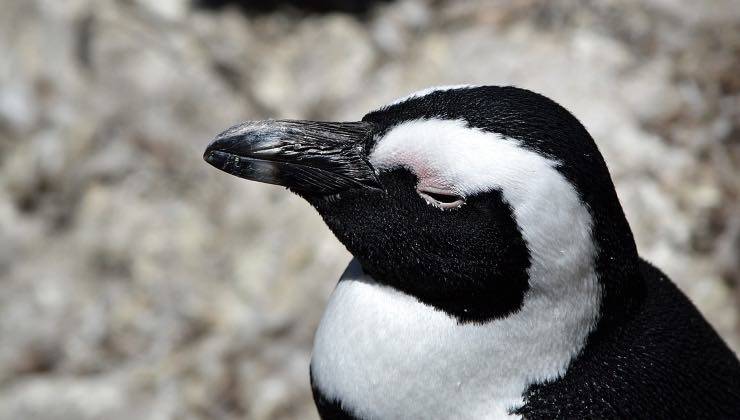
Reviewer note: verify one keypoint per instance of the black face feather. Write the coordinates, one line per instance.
(470, 262)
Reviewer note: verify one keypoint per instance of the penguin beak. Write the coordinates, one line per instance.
(305, 156)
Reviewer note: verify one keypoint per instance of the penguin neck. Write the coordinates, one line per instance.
(380, 352)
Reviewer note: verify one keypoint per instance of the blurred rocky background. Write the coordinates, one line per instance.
(138, 282)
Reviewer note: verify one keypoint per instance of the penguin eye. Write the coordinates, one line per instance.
(441, 198)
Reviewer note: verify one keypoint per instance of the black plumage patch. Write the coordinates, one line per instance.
(470, 262)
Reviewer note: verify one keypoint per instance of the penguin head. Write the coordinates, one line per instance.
(463, 197)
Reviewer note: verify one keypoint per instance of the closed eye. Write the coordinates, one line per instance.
(441, 198)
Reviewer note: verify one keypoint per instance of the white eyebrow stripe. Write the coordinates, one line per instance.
(469, 159)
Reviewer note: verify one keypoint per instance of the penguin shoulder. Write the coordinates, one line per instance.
(663, 359)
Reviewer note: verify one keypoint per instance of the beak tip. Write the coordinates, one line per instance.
(212, 156)
(208, 153)
(220, 143)
(208, 156)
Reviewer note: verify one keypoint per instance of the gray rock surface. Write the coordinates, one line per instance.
(137, 282)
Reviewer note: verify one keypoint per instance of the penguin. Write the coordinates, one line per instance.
(494, 274)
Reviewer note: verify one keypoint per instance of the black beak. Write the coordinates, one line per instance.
(305, 156)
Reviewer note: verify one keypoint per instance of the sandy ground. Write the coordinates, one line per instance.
(137, 282)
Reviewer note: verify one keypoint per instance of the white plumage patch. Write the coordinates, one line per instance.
(385, 355)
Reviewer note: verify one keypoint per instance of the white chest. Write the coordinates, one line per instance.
(385, 355)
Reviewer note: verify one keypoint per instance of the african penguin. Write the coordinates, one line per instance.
(494, 272)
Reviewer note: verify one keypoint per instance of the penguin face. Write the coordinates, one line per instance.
(454, 196)
(436, 229)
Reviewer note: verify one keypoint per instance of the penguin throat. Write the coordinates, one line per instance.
(382, 353)
(477, 305)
